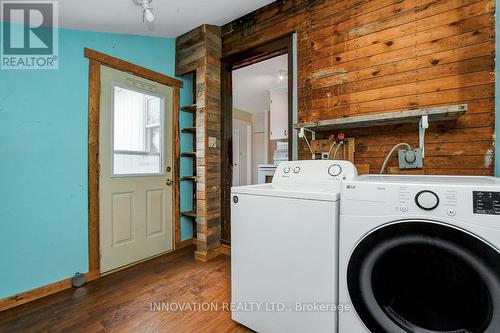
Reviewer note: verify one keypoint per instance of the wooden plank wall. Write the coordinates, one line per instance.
(372, 56)
(200, 50)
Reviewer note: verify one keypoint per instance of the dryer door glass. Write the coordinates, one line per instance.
(422, 276)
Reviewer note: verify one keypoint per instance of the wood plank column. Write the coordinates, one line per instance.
(200, 51)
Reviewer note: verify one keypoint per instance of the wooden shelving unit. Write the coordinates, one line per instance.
(191, 154)
(389, 118)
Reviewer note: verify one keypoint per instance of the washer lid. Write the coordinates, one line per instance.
(304, 192)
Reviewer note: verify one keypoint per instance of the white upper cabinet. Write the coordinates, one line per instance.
(279, 113)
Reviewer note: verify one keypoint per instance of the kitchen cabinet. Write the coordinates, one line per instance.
(278, 114)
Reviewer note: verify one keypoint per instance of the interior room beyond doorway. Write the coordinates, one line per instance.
(260, 120)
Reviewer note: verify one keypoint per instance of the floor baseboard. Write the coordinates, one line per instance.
(34, 294)
(202, 256)
(221, 250)
(225, 250)
(185, 243)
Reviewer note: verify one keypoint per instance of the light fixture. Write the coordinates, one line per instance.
(282, 75)
(147, 10)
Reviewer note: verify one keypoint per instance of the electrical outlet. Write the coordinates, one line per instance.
(411, 158)
(324, 155)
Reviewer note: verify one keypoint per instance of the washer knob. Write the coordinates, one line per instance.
(334, 170)
(427, 200)
(296, 169)
(286, 170)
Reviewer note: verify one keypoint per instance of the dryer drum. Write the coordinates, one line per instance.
(425, 277)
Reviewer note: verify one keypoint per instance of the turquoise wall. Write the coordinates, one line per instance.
(43, 163)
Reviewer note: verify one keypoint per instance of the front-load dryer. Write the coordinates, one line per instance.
(284, 248)
(420, 254)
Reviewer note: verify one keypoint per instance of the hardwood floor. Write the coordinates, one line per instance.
(123, 301)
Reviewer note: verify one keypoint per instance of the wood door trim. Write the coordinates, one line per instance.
(93, 164)
(176, 147)
(128, 67)
(96, 60)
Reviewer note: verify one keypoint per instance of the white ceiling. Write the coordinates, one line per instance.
(251, 84)
(172, 17)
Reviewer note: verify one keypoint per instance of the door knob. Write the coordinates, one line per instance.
(168, 182)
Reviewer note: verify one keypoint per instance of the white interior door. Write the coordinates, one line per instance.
(236, 157)
(135, 156)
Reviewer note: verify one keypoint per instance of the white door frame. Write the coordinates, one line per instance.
(249, 154)
(236, 157)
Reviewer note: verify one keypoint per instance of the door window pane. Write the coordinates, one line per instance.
(137, 133)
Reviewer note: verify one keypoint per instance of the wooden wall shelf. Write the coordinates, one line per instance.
(191, 130)
(191, 214)
(451, 112)
(189, 108)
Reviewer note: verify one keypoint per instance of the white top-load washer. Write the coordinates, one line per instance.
(420, 254)
(284, 248)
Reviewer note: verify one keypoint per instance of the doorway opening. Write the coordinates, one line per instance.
(257, 117)
(260, 120)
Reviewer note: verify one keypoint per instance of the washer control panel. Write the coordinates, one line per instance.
(427, 200)
(486, 202)
(314, 172)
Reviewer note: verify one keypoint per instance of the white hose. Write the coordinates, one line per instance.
(331, 147)
(390, 154)
(337, 149)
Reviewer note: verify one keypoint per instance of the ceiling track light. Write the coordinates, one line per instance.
(147, 10)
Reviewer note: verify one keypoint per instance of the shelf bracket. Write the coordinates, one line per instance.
(422, 126)
(303, 130)
(302, 134)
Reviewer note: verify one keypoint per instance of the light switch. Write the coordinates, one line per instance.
(212, 142)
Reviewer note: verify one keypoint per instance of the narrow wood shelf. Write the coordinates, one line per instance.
(189, 108)
(189, 178)
(451, 112)
(188, 154)
(190, 213)
(191, 130)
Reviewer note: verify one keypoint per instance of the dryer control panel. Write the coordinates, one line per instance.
(314, 172)
(486, 202)
(473, 200)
